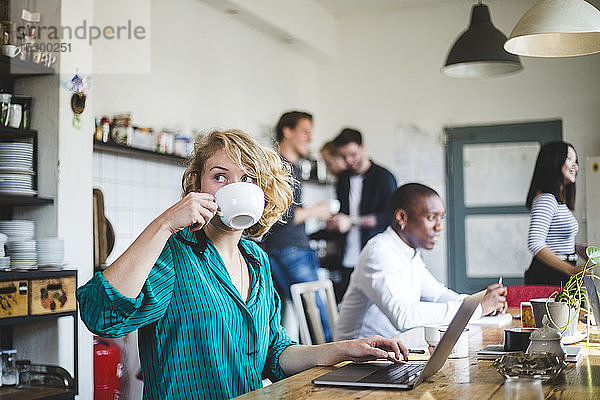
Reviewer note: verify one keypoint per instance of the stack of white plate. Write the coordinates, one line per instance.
(16, 156)
(16, 168)
(23, 254)
(17, 229)
(4, 261)
(50, 252)
(16, 182)
(3, 240)
(20, 246)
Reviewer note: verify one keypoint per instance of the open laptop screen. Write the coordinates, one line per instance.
(592, 295)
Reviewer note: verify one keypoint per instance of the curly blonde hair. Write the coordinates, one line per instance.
(262, 164)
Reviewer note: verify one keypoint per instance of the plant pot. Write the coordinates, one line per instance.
(561, 317)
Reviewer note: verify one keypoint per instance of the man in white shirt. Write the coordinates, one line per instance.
(390, 289)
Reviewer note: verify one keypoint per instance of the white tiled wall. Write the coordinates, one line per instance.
(135, 192)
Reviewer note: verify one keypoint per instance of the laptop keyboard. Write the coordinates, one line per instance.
(394, 374)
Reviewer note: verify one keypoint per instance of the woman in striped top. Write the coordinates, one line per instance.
(552, 225)
(202, 296)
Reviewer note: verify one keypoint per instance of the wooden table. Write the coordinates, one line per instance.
(465, 378)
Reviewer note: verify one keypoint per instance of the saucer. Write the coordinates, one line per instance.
(577, 337)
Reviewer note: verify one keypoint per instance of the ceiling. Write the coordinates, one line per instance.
(344, 8)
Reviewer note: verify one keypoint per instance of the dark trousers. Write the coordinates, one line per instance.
(293, 265)
(542, 274)
(340, 284)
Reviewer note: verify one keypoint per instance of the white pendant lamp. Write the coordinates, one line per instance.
(478, 52)
(557, 28)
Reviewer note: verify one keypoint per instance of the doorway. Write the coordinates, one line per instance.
(488, 171)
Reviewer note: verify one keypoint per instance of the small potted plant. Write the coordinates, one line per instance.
(563, 308)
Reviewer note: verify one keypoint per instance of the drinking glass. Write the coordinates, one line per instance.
(10, 374)
(523, 389)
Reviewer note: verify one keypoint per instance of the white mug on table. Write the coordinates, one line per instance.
(431, 334)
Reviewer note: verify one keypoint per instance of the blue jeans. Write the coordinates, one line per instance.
(294, 265)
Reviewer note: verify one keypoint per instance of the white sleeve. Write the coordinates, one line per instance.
(385, 283)
(433, 290)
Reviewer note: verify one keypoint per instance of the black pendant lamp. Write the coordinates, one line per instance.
(479, 51)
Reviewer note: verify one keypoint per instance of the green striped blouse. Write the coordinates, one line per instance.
(197, 337)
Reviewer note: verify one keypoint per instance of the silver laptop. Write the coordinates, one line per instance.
(407, 375)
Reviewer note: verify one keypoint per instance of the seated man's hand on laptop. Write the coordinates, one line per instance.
(372, 348)
(494, 300)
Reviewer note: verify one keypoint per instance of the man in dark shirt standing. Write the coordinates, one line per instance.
(292, 260)
(364, 190)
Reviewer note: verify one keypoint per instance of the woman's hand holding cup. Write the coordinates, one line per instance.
(194, 209)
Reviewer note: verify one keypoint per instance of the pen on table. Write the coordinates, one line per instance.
(500, 282)
(416, 351)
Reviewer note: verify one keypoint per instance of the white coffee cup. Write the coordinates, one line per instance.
(334, 206)
(432, 334)
(14, 119)
(241, 204)
(461, 348)
(11, 50)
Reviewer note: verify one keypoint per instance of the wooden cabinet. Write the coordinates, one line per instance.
(33, 279)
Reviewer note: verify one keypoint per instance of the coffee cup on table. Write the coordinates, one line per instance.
(431, 334)
(11, 50)
(461, 347)
(517, 339)
(240, 204)
(527, 318)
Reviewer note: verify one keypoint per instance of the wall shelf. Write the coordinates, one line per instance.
(35, 392)
(34, 318)
(138, 153)
(6, 132)
(16, 68)
(15, 275)
(24, 201)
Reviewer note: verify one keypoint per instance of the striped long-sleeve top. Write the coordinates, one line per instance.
(551, 225)
(197, 338)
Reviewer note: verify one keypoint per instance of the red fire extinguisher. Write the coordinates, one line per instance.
(108, 369)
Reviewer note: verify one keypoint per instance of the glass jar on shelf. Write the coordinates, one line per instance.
(24, 371)
(5, 99)
(9, 367)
